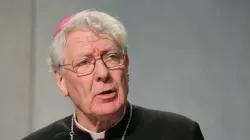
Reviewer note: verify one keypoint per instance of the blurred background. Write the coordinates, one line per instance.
(187, 56)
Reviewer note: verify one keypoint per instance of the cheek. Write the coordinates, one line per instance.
(79, 89)
(120, 78)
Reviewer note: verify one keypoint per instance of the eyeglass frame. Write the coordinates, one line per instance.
(123, 54)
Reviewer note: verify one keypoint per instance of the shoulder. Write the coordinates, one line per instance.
(167, 123)
(49, 132)
(150, 115)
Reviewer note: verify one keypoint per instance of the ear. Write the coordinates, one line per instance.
(126, 62)
(126, 66)
(61, 83)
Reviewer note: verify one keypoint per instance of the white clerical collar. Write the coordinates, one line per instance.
(95, 135)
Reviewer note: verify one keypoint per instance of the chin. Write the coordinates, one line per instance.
(108, 108)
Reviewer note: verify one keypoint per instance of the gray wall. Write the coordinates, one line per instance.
(187, 56)
(16, 69)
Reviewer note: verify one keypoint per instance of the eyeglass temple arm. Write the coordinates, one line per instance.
(64, 65)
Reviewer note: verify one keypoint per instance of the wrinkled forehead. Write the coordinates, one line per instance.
(81, 42)
(85, 37)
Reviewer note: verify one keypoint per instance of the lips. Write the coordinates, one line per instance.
(107, 94)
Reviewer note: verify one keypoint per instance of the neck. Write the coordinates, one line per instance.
(97, 123)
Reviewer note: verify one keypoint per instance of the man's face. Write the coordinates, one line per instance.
(102, 92)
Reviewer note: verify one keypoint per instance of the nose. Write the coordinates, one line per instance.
(101, 71)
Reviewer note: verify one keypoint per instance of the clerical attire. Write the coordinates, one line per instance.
(138, 123)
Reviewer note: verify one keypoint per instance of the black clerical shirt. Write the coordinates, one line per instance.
(145, 124)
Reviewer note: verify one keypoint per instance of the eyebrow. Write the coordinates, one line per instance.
(111, 48)
(90, 54)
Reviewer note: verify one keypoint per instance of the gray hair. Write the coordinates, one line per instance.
(98, 22)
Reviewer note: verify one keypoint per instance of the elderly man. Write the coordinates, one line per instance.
(90, 63)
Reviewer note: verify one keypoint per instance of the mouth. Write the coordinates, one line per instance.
(107, 94)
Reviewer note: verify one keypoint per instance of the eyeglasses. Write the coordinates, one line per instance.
(85, 65)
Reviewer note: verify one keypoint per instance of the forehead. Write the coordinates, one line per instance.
(86, 41)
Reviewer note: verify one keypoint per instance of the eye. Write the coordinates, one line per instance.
(113, 57)
(82, 63)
